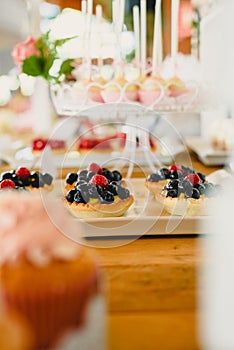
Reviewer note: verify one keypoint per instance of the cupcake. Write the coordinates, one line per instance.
(188, 196)
(151, 89)
(119, 89)
(97, 193)
(44, 276)
(95, 88)
(176, 87)
(23, 178)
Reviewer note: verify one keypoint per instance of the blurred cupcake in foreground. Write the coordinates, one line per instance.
(44, 276)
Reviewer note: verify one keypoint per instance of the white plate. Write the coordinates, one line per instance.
(145, 217)
(206, 153)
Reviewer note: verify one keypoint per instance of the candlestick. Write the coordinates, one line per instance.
(143, 36)
(136, 24)
(156, 38)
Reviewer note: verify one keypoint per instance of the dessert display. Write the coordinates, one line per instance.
(97, 192)
(53, 280)
(156, 181)
(151, 89)
(56, 146)
(176, 87)
(24, 179)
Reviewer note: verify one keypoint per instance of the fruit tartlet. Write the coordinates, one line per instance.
(56, 146)
(157, 180)
(188, 196)
(22, 178)
(97, 192)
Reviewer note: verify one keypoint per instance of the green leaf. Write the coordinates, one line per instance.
(33, 65)
(48, 62)
(60, 42)
(66, 67)
(130, 56)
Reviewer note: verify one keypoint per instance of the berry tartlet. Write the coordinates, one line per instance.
(188, 196)
(156, 181)
(24, 179)
(97, 192)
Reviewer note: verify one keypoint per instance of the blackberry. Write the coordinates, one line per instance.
(154, 178)
(100, 190)
(93, 192)
(111, 188)
(70, 196)
(78, 198)
(71, 178)
(175, 174)
(107, 197)
(201, 188)
(202, 177)
(47, 178)
(90, 175)
(172, 185)
(81, 186)
(7, 175)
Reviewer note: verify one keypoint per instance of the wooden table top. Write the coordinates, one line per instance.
(152, 288)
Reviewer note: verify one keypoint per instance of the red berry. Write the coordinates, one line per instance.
(99, 180)
(175, 167)
(39, 144)
(23, 172)
(94, 167)
(193, 178)
(7, 184)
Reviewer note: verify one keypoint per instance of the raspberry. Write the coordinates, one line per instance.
(175, 167)
(93, 167)
(39, 144)
(193, 178)
(7, 184)
(23, 172)
(99, 180)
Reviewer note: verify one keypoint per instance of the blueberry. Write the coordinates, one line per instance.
(90, 174)
(109, 175)
(47, 178)
(187, 186)
(7, 175)
(71, 178)
(164, 173)
(154, 178)
(174, 174)
(195, 193)
(172, 185)
(116, 175)
(201, 188)
(202, 177)
(100, 190)
(172, 193)
(80, 182)
(107, 197)
(70, 196)
(122, 192)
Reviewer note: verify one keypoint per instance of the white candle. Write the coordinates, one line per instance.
(156, 38)
(121, 15)
(99, 20)
(84, 6)
(115, 10)
(99, 13)
(143, 35)
(174, 28)
(90, 7)
(136, 24)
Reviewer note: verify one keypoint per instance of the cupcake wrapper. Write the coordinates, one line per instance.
(51, 312)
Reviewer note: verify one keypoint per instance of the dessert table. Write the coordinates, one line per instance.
(151, 286)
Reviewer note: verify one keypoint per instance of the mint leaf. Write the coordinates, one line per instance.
(33, 65)
(48, 62)
(66, 67)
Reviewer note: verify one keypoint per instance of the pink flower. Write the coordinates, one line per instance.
(24, 50)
